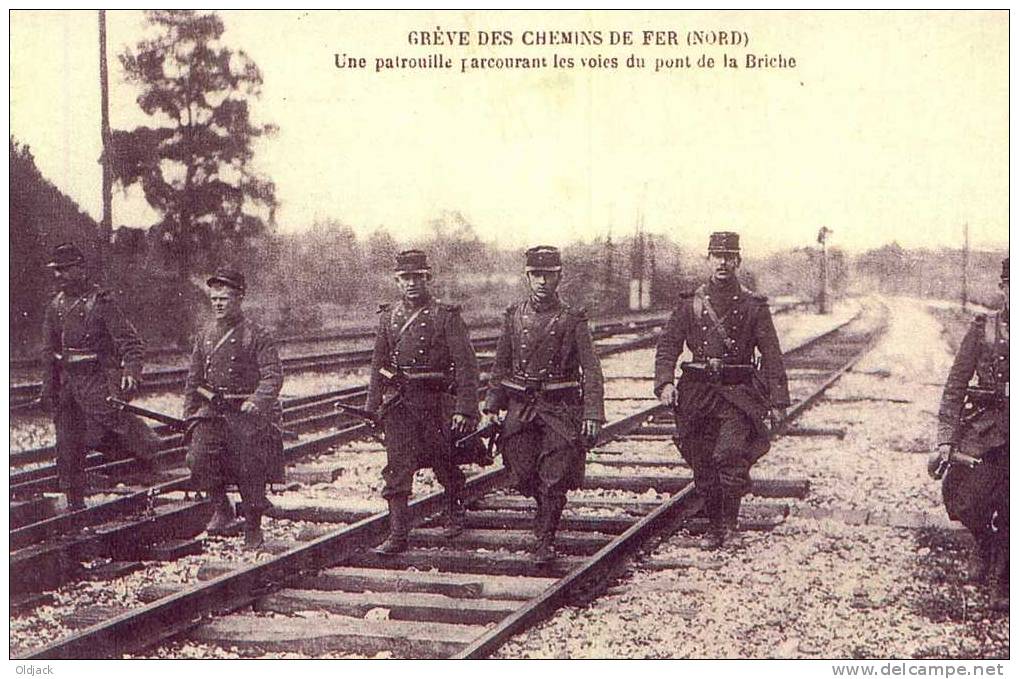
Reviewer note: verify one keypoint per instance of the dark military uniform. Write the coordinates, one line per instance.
(88, 342)
(548, 378)
(423, 373)
(975, 422)
(434, 374)
(238, 361)
(723, 399)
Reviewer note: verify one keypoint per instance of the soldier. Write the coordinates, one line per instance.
(424, 390)
(973, 422)
(549, 380)
(232, 407)
(722, 398)
(90, 353)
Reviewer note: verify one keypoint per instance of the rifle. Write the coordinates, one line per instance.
(371, 419)
(490, 431)
(27, 405)
(941, 461)
(170, 421)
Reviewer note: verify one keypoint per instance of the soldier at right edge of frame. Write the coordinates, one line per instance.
(972, 445)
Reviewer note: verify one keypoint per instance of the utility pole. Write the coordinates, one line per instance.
(106, 230)
(822, 298)
(609, 274)
(965, 264)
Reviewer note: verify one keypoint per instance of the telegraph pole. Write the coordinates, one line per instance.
(822, 298)
(106, 230)
(965, 264)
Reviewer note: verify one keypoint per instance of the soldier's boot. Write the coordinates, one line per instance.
(538, 513)
(222, 513)
(552, 509)
(398, 528)
(978, 565)
(715, 536)
(456, 515)
(253, 536)
(998, 579)
(75, 500)
(730, 504)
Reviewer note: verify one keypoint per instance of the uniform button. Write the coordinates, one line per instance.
(704, 327)
(735, 296)
(233, 358)
(421, 351)
(422, 337)
(525, 331)
(552, 333)
(232, 340)
(425, 312)
(422, 323)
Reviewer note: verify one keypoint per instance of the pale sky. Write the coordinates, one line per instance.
(893, 126)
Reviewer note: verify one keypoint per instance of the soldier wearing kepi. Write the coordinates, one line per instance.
(231, 402)
(973, 445)
(722, 399)
(549, 380)
(90, 353)
(424, 390)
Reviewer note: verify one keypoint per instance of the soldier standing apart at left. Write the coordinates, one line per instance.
(91, 352)
(424, 390)
(722, 399)
(231, 403)
(549, 380)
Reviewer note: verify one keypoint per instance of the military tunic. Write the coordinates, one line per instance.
(430, 338)
(720, 428)
(238, 359)
(90, 323)
(542, 346)
(978, 497)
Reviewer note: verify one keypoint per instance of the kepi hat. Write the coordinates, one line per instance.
(412, 261)
(543, 258)
(723, 242)
(228, 277)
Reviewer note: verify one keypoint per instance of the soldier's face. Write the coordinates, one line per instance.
(543, 284)
(723, 265)
(69, 277)
(226, 302)
(413, 286)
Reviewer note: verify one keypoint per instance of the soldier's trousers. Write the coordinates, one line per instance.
(216, 457)
(716, 447)
(83, 420)
(418, 439)
(544, 466)
(978, 498)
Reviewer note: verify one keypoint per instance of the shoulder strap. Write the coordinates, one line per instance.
(545, 338)
(717, 323)
(410, 321)
(698, 302)
(222, 340)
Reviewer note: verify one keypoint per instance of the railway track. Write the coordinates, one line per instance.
(44, 555)
(22, 396)
(301, 415)
(463, 598)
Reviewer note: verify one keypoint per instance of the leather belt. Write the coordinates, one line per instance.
(714, 371)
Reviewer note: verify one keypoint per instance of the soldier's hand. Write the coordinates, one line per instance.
(459, 424)
(936, 461)
(128, 385)
(668, 395)
(248, 407)
(777, 416)
(590, 429)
